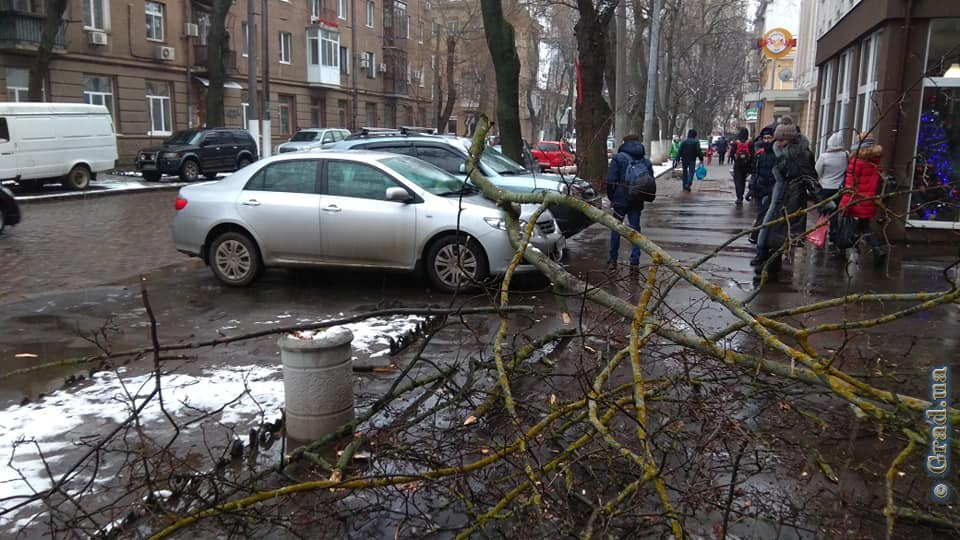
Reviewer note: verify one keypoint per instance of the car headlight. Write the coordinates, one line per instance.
(169, 155)
(500, 223)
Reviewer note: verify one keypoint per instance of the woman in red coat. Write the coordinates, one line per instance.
(861, 187)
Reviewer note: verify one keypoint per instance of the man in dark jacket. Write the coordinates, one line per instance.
(721, 146)
(630, 151)
(761, 186)
(689, 153)
(742, 161)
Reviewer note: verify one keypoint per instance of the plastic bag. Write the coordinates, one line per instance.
(701, 172)
(818, 236)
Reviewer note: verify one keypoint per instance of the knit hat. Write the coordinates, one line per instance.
(786, 132)
(835, 142)
(766, 131)
(786, 120)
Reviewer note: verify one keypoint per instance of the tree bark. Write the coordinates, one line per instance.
(593, 111)
(218, 47)
(40, 71)
(444, 118)
(506, 64)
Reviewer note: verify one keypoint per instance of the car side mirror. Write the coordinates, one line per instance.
(463, 168)
(398, 194)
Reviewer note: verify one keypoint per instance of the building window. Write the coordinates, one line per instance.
(826, 105)
(315, 117)
(203, 27)
(453, 26)
(420, 26)
(342, 9)
(935, 197)
(329, 48)
(370, 10)
(154, 21)
(98, 91)
(867, 85)
(244, 115)
(842, 96)
(315, 8)
(345, 60)
(245, 43)
(403, 22)
(342, 113)
(371, 61)
(18, 84)
(94, 14)
(158, 108)
(29, 6)
(370, 115)
(285, 113)
(285, 41)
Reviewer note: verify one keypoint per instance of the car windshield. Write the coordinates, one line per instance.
(189, 136)
(497, 162)
(425, 175)
(304, 136)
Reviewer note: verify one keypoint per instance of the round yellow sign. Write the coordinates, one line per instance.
(777, 43)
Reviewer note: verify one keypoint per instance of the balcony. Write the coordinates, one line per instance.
(200, 59)
(22, 31)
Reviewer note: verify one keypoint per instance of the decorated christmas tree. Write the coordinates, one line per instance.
(935, 195)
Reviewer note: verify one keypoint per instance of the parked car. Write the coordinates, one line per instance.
(67, 143)
(450, 154)
(551, 155)
(192, 152)
(349, 209)
(313, 138)
(9, 210)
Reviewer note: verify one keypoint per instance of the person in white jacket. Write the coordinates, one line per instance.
(832, 168)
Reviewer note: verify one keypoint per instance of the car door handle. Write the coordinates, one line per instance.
(251, 202)
(332, 208)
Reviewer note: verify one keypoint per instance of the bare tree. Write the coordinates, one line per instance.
(40, 71)
(506, 63)
(218, 43)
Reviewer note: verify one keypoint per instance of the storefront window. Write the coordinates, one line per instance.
(943, 49)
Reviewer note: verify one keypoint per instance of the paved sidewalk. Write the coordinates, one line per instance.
(105, 184)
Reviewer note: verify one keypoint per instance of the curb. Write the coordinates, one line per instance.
(124, 188)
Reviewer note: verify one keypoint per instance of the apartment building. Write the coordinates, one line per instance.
(332, 63)
(891, 68)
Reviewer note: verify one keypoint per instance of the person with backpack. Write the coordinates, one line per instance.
(689, 153)
(795, 177)
(742, 161)
(630, 182)
(862, 183)
(721, 146)
(675, 151)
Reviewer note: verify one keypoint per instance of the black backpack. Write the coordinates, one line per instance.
(640, 183)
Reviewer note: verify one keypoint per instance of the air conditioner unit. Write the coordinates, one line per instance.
(97, 38)
(191, 29)
(364, 63)
(314, 19)
(383, 68)
(166, 53)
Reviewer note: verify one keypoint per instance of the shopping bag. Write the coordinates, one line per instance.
(818, 236)
(846, 234)
(701, 172)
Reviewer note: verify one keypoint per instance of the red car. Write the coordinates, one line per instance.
(553, 154)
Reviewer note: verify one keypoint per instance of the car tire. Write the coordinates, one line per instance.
(210, 176)
(190, 170)
(152, 176)
(243, 162)
(3, 220)
(77, 178)
(235, 259)
(449, 274)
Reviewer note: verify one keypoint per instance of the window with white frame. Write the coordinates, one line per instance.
(371, 8)
(867, 84)
(158, 108)
(935, 197)
(371, 61)
(329, 48)
(18, 84)
(244, 115)
(245, 39)
(154, 20)
(420, 32)
(826, 104)
(403, 22)
(203, 26)
(342, 9)
(286, 38)
(95, 14)
(842, 95)
(315, 8)
(98, 91)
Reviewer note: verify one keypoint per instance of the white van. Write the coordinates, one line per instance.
(56, 142)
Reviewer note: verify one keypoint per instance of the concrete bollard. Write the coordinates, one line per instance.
(317, 382)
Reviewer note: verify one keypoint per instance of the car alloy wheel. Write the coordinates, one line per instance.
(235, 259)
(189, 171)
(456, 263)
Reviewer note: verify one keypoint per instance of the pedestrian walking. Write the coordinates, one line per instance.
(689, 153)
(675, 151)
(721, 145)
(742, 161)
(629, 163)
(832, 169)
(861, 186)
(762, 182)
(795, 176)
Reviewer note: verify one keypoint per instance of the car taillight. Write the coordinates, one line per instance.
(180, 204)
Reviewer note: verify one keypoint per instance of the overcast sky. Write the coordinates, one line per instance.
(784, 14)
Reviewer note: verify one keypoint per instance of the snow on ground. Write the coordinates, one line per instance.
(54, 425)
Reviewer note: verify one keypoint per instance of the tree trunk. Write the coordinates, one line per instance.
(451, 85)
(593, 111)
(506, 65)
(218, 47)
(40, 71)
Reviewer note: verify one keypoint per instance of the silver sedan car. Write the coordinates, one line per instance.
(349, 209)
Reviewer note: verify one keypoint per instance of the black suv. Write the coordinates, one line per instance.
(192, 152)
(450, 154)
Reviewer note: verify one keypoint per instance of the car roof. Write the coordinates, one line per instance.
(351, 155)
